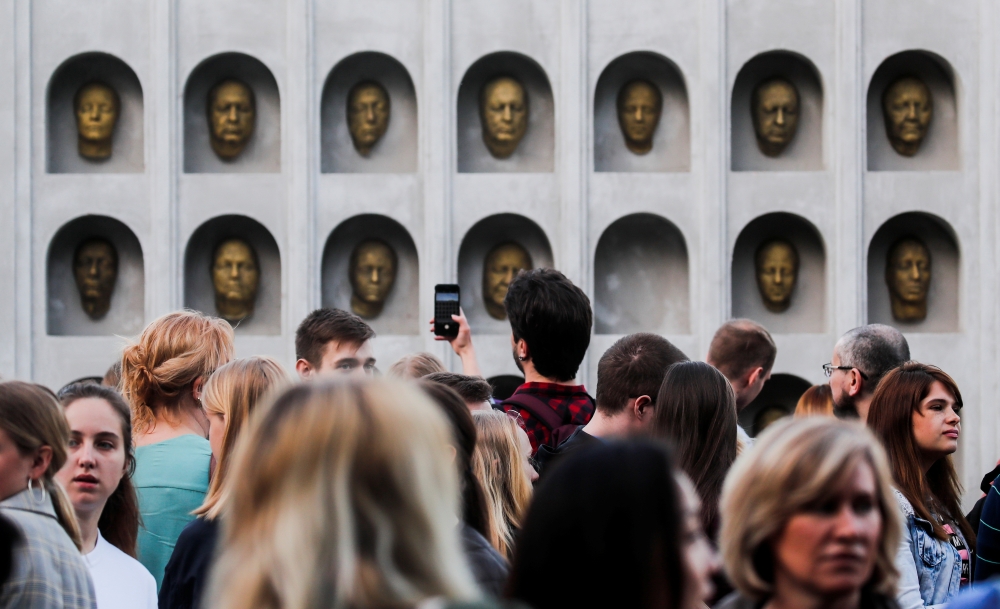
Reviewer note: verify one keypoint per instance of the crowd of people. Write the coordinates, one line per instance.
(189, 478)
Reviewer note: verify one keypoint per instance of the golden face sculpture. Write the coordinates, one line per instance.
(908, 275)
(639, 106)
(503, 112)
(95, 269)
(777, 265)
(97, 107)
(367, 115)
(908, 110)
(235, 277)
(232, 114)
(774, 107)
(501, 266)
(373, 273)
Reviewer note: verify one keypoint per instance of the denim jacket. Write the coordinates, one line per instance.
(930, 569)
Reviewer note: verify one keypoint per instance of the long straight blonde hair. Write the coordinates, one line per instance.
(343, 495)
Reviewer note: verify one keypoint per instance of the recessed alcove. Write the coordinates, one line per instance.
(262, 152)
(65, 312)
(400, 312)
(778, 398)
(939, 148)
(396, 150)
(806, 312)
(61, 134)
(805, 151)
(942, 294)
(641, 278)
(536, 152)
(504, 385)
(477, 243)
(671, 149)
(199, 290)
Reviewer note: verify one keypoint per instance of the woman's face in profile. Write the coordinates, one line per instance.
(702, 559)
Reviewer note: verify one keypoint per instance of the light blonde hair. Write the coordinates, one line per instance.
(234, 391)
(794, 464)
(171, 353)
(497, 463)
(415, 366)
(343, 494)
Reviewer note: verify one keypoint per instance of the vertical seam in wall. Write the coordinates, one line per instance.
(23, 189)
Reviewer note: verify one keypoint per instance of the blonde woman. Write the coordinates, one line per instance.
(231, 395)
(809, 520)
(163, 374)
(501, 462)
(347, 497)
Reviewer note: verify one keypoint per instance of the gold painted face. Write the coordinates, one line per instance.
(373, 273)
(95, 268)
(775, 112)
(232, 114)
(777, 270)
(501, 266)
(367, 115)
(97, 108)
(639, 106)
(503, 112)
(908, 275)
(235, 276)
(908, 110)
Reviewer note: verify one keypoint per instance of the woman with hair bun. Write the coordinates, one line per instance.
(163, 374)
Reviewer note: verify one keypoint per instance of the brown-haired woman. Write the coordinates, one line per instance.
(817, 400)
(915, 413)
(162, 378)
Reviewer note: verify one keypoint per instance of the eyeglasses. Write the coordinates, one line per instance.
(829, 368)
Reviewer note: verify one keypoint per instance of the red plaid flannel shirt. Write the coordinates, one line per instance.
(572, 403)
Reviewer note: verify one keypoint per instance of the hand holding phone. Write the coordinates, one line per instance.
(446, 304)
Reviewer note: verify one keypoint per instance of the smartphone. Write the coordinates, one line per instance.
(446, 301)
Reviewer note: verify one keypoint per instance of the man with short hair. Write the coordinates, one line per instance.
(334, 341)
(475, 390)
(550, 322)
(861, 358)
(744, 352)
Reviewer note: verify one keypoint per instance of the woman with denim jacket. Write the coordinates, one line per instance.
(915, 413)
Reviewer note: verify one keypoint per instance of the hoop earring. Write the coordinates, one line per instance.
(31, 492)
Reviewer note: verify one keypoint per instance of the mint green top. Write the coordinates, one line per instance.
(171, 479)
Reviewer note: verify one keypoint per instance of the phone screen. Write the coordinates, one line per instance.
(446, 296)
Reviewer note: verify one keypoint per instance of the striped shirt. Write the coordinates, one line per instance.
(988, 539)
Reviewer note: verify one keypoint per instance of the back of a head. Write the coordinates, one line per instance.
(323, 326)
(614, 508)
(415, 366)
(874, 349)
(472, 389)
(170, 354)
(741, 345)
(554, 317)
(632, 367)
(349, 485)
(817, 400)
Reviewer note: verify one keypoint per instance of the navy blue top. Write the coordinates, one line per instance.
(186, 575)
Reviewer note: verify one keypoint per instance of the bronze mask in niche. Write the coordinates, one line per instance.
(503, 112)
(97, 107)
(501, 266)
(908, 275)
(777, 267)
(235, 277)
(908, 109)
(774, 108)
(368, 111)
(373, 273)
(95, 269)
(639, 104)
(232, 115)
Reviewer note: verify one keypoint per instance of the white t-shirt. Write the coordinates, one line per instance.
(120, 581)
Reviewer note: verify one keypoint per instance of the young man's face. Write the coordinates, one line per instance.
(342, 358)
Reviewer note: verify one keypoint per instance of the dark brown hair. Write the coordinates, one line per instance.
(323, 326)
(890, 417)
(741, 345)
(472, 389)
(632, 367)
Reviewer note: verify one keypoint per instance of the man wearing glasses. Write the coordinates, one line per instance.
(860, 359)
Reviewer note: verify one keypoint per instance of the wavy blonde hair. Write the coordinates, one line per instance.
(343, 494)
(497, 463)
(234, 391)
(171, 353)
(795, 464)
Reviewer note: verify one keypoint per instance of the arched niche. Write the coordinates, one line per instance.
(65, 315)
(396, 151)
(943, 292)
(504, 385)
(641, 278)
(806, 312)
(805, 151)
(199, 291)
(672, 139)
(62, 153)
(939, 148)
(262, 153)
(400, 313)
(477, 243)
(778, 398)
(536, 152)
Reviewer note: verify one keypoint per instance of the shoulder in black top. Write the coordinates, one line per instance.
(186, 575)
(488, 567)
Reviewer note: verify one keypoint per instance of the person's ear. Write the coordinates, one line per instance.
(304, 369)
(40, 462)
(641, 408)
(755, 375)
(196, 388)
(521, 349)
(856, 384)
